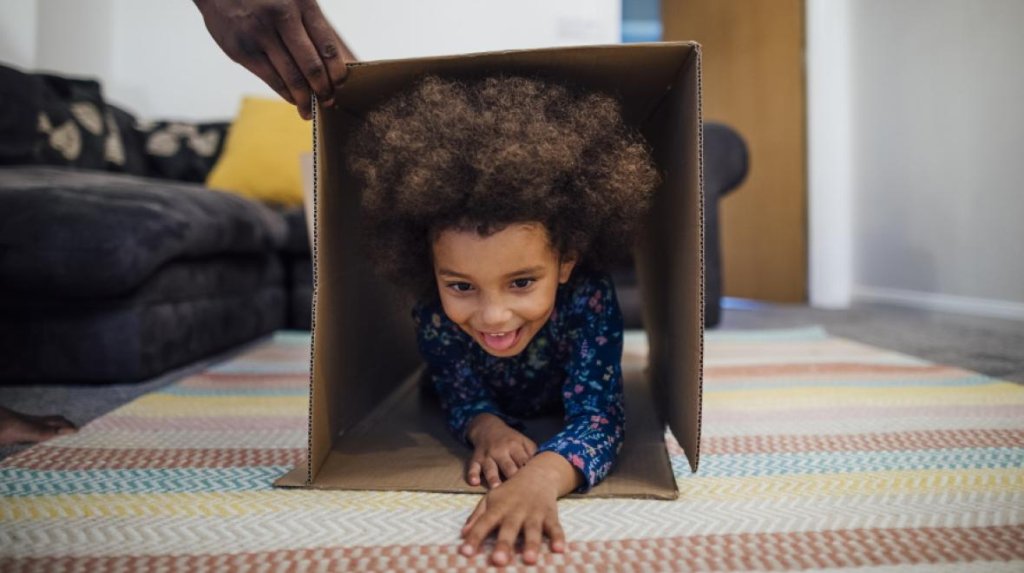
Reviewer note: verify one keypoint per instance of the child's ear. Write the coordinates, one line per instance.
(565, 267)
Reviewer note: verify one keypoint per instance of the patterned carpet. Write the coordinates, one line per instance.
(818, 453)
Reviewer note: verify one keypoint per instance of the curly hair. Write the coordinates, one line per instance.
(481, 154)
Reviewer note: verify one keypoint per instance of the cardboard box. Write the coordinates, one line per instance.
(370, 426)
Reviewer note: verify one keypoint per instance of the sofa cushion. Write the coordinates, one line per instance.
(77, 234)
(52, 120)
(299, 283)
(186, 311)
(298, 235)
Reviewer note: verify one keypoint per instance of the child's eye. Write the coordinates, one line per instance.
(523, 283)
(460, 287)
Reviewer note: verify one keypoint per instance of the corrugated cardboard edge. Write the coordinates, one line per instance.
(698, 51)
(303, 476)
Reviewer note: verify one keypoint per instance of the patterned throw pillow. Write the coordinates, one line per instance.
(180, 150)
(125, 146)
(52, 120)
(55, 120)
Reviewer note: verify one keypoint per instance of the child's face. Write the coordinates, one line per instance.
(499, 289)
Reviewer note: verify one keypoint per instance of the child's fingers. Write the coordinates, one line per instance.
(477, 512)
(491, 473)
(531, 540)
(503, 549)
(473, 472)
(531, 447)
(477, 532)
(556, 537)
(509, 467)
(520, 456)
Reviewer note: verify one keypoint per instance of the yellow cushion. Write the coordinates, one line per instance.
(260, 159)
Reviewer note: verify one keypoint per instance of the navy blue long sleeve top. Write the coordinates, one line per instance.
(573, 364)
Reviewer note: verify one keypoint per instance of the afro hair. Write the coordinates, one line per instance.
(481, 154)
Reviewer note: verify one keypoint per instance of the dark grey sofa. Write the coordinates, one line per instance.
(116, 264)
(113, 277)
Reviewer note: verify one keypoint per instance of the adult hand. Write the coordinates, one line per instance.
(526, 504)
(497, 450)
(289, 44)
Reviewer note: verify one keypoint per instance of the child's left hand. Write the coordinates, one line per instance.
(527, 503)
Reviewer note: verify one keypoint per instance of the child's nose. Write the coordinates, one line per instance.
(495, 314)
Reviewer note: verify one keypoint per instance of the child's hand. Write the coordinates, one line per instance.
(527, 504)
(496, 448)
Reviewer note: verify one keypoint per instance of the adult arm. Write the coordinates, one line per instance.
(288, 44)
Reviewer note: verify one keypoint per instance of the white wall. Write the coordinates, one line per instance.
(18, 32)
(156, 58)
(935, 134)
(407, 28)
(829, 143)
(76, 37)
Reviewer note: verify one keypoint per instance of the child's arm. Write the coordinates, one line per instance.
(577, 457)
(526, 503)
(592, 394)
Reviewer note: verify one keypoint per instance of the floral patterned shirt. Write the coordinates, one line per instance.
(572, 365)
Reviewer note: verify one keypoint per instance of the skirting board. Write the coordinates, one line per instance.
(941, 302)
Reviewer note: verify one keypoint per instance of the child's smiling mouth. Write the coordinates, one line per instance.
(501, 341)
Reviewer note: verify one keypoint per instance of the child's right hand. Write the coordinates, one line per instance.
(497, 450)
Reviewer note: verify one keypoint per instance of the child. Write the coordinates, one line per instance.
(497, 201)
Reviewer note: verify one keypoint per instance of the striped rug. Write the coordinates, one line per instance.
(818, 453)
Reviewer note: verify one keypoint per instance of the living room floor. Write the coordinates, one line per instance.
(991, 346)
(994, 347)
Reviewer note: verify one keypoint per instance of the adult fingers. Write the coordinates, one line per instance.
(260, 65)
(532, 529)
(503, 549)
(294, 81)
(473, 472)
(508, 467)
(491, 473)
(556, 536)
(304, 54)
(332, 50)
